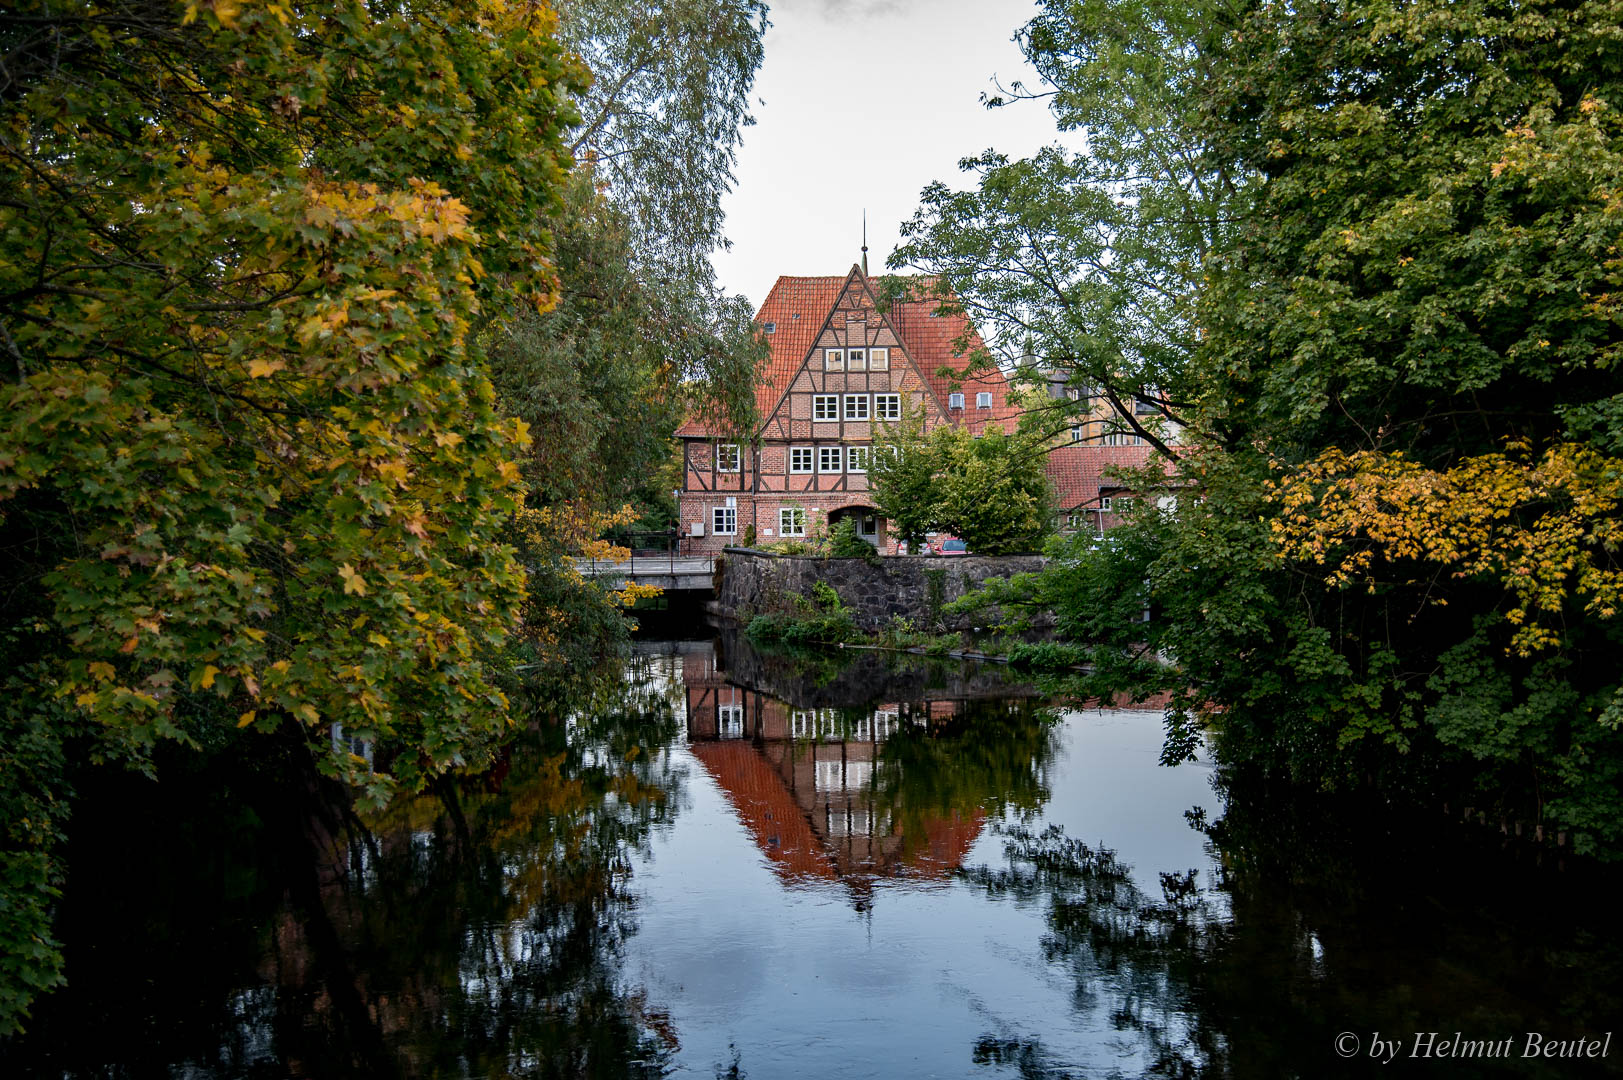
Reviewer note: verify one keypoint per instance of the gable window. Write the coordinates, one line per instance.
(856, 459)
(727, 457)
(828, 458)
(1076, 432)
(856, 406)
(955, 401)
(724, 520)
(800, 459)
(833, 359)
(983, 400)
(878, 359)
(825, 406)
(856, 359)
(792, 521)
(887, 406)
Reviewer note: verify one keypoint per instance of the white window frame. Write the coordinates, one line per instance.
(955, 401)
(887, 406)
(827, 453)
(791, 521)
(727, 514)
(856, 359)
(810, 453)
(878, 359)
(833, 359)
(721, 457)
(1076, 433)
(983, 400)
(852, 454)
(830, 402)
(730, 721)
(857, 407)
(1104, 503)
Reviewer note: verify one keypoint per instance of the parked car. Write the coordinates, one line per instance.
(951, 545)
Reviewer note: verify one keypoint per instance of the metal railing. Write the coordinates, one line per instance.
(666, 558)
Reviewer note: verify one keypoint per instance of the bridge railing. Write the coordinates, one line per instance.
(659, 553)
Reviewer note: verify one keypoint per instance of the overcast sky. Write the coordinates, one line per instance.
(862, 103)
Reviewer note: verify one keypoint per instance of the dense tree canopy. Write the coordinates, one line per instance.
(990, 491)
(1404, 398)
(251, 472)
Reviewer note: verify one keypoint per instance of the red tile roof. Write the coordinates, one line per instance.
(797, 308)
(1078, 471)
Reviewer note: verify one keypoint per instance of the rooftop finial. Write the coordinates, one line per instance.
(864, 242)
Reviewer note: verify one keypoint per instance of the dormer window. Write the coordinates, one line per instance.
(983, 400)
(955, 401)
(833, 359)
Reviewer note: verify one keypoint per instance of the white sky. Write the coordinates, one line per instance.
(861, 104)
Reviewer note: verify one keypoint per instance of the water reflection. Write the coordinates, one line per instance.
(723, 862)
(873, 787)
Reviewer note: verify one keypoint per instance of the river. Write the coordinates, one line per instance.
(723, 863)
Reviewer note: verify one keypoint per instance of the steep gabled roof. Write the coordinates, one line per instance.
(797, 309)
(929, 340)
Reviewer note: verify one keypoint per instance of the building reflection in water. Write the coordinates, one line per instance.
(813, 782)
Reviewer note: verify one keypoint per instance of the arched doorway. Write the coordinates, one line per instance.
(870, 526)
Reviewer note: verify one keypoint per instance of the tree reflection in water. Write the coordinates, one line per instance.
(1320, 915)
(473, 931)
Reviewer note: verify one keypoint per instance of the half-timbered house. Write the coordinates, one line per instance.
(840, 369)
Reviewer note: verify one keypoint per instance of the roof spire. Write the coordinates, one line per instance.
(864, 241)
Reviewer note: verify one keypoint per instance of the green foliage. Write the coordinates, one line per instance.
(1045, 655)
(991, 491)
(251, 471)
(1419, 267)
(845, 543)
(818, 619)
(1088, 262)
(660, 127)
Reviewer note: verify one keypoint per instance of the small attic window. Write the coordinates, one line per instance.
(796, 315)
(772, 328)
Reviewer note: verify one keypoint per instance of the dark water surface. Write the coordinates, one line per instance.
(730, 864)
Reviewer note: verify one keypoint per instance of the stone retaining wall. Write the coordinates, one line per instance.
(916, 587)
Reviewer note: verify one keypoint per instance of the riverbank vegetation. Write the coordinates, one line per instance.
(329, 333)
(1361, 262)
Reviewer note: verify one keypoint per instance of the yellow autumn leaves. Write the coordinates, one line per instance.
(1545, 528)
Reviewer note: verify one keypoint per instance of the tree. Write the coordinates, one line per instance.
(251, 471)
(660, 126)
(990, 491)
(1406, 566)
(993, 491)
(1083, 266)
(902, 482)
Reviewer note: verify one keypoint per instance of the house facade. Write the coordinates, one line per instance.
(840, 369)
